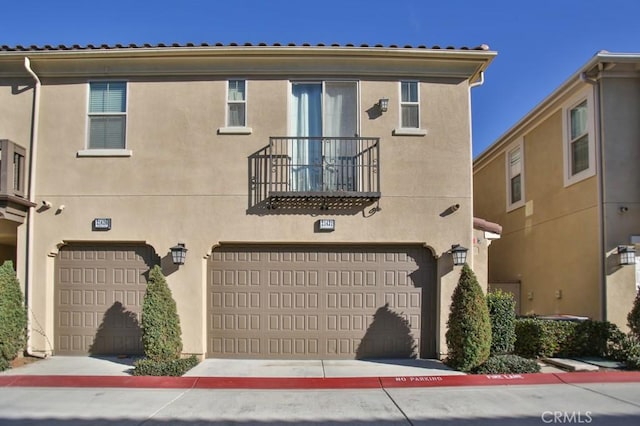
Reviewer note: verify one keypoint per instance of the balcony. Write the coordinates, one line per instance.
(316, 173)
(13, 205)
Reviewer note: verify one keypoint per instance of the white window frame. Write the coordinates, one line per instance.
(236, 130)
(409, 131)
(517, 146)
(106, 152)
(570, 179)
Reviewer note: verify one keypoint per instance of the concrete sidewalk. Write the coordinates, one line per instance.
(113, 366)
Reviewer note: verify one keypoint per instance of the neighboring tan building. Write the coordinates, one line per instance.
(317, 217)
(564, 184)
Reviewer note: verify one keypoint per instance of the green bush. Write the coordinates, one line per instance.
(13, 315)
(469, 327)
(593, 338)
(174, 367)
(542, 338)
(502, 312)
(507, 364)
(633, 318)
(628, 351)
(161, 333)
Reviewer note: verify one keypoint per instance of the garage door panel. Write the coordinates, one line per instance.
(99, 295)
(313, 302)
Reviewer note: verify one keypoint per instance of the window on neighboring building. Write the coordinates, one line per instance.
(515, 177)
(107, 115)
(409, 105)
(579, 138)
(237, 103)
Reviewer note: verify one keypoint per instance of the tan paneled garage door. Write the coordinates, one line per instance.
(99, 291)
(340, 302)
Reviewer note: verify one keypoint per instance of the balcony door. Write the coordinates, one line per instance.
(325, 117)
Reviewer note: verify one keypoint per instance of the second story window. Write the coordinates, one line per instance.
(515, 182)
(107, 115)
(237, 103)
(579, 138)
(409, 105)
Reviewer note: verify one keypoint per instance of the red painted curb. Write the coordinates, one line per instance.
(600, 377)
(288, 383)
(316, 382)
(469, 380)
(99, 381)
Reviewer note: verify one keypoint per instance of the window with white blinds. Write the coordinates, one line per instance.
(107, 115)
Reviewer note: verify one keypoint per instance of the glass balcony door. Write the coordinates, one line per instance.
(324, 115)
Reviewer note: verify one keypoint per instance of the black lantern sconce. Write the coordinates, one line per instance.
(178, 254)
(627, 255)
(459, 254)
(383, 104)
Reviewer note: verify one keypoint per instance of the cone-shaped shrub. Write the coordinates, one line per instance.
(161, 333)
(469, 327)
(13, 315)
(633, 318)
(502, 311)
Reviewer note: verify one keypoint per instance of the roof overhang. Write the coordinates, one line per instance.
(294, 61)
(601, 64)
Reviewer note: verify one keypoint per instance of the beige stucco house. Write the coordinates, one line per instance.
(318, 191)
(563, 182)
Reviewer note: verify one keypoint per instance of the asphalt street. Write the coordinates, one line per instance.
(592, 403)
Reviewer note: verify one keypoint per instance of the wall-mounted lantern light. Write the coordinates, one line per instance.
(459, 254)
(627, 255)
(178, 253)
(383, 104)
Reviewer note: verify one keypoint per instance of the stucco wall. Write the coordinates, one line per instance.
(551, 243)
(184, 182)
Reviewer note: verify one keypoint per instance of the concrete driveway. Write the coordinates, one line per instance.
(113, 366)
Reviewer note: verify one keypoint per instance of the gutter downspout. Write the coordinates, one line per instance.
(595, 83)
(32, 195)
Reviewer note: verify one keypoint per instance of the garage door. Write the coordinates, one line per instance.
(340, 302)
(99, 292)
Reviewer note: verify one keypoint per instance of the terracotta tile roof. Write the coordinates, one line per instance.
(48, 47)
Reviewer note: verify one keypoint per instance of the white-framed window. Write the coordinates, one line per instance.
(236, 108)
(409, 105)
(515, 175)
(237, 103)
(107, 112)
(409, 110)
(579, 139)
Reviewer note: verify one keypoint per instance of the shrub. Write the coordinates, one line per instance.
(542, 338)
(161, 333)
(174, 367)
(502, 312)
(507, 364)
(633, 318)
(13, 315)
(469, 327)
(593, 338)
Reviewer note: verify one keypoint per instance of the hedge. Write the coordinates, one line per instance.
(174, 367)
(548, 338)
(507, 364)
(502, 311)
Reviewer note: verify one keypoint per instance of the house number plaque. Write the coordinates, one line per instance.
(101, 224)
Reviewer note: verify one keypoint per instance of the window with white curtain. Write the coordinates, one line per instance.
(409, 105)
(237, 103)
(107, 115)
(579, 138)
(325, 117)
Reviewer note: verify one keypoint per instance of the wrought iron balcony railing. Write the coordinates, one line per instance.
(327, 168)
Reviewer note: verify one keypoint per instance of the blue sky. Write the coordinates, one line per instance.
(540, 43)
